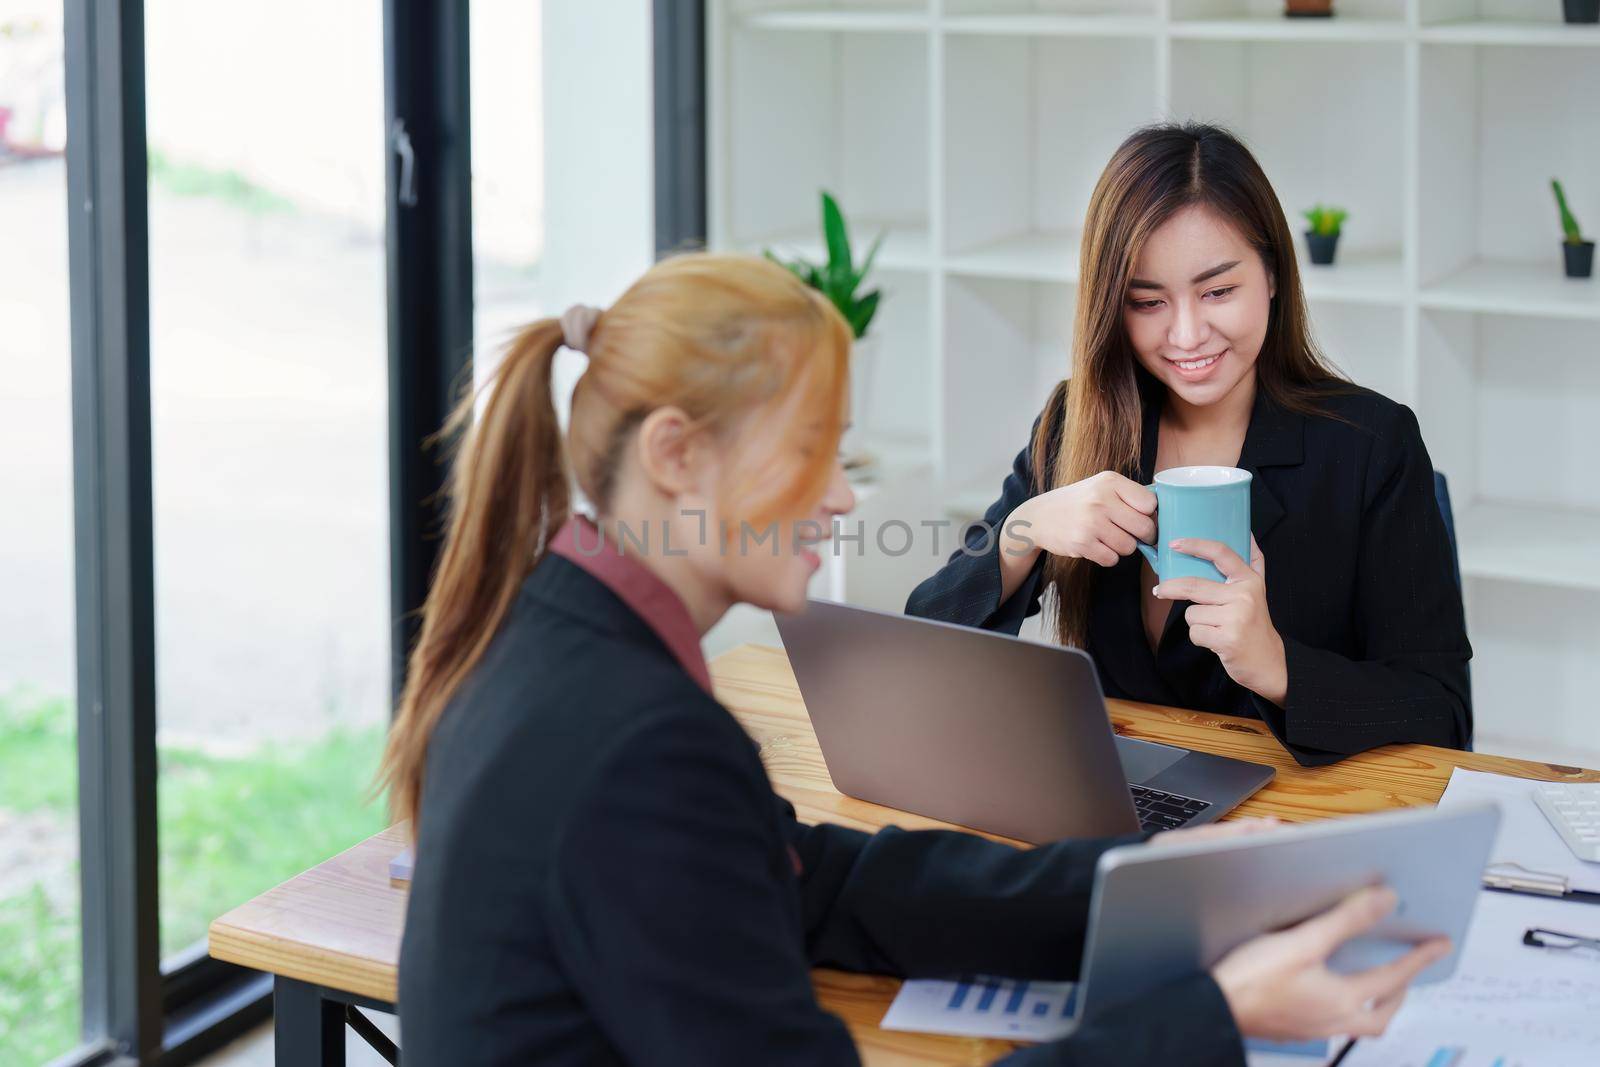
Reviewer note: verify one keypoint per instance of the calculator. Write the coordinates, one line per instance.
(1573, 808)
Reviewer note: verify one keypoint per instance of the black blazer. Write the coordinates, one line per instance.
(1359, 582)
(605, 876)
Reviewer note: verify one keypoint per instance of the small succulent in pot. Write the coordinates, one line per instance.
(1323, 236)
(1578, 252)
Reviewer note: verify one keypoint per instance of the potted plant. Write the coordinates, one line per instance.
(1579, 253)
(840, 280)
(1323, 236)
(1581, 10)
(1308, 9)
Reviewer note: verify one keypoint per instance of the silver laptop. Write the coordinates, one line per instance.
(989, 731)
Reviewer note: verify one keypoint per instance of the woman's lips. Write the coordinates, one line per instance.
(1199, 368)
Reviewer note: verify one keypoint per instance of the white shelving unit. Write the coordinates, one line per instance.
(972, 132)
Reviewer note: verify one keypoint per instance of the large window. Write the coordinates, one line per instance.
(232, 310)
(39, 906)
(268, 394)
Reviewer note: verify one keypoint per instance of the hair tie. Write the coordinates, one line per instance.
(577, 322)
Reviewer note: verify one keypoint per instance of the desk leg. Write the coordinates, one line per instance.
(307, 1028)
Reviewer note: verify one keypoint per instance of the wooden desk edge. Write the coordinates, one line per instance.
(307, 963)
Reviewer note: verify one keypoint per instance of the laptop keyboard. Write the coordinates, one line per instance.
(1164, 811)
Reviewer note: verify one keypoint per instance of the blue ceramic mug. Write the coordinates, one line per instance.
(1204, 503)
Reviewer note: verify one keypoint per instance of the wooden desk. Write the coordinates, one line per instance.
(332, 934)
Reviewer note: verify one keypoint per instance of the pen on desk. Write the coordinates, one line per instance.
(1507, 877)
(1538, 937)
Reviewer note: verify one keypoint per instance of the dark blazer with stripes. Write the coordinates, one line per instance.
(604, 876)
(1359, 578)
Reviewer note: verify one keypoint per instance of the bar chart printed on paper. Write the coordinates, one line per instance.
(985, 1007)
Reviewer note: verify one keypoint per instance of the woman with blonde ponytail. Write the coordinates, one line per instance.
(603, 872)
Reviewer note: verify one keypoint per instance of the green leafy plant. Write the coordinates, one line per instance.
(1325, 221)
(1569, 224)
(838, 279)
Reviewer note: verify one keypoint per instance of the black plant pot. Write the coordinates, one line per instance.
(1321, 247)
(1580, 258)
(1581, 10)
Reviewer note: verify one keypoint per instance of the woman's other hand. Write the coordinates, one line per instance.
(1230, 617)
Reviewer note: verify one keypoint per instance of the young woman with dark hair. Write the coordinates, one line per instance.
(603, 873)
(1192, 346)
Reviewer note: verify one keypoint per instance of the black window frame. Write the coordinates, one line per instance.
(137, 1008)
(679, 103)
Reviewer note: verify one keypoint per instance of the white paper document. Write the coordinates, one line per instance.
(1019, 1010)
(1526, 837)
(1507, 1005)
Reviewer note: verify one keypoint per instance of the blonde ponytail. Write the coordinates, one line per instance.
(509, 494)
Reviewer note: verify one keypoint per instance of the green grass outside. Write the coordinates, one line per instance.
(228, 186)
(38, 978)
(229, 828)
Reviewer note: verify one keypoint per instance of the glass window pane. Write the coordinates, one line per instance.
(269, 392)
(39, 907)
(507, 91)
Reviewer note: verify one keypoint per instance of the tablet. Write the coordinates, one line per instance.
(1161, 914)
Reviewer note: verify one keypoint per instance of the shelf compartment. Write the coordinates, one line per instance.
(1264, 90)
(892, 376)
(1512, 288)
(1284, 29)
(1511, 33)
(1532, 23)
(858, 130)
(1032, 256)
(1265, 20)
(1365, 342)
(1007, 345)
(1360, 276)
(1495, 125)
(1518, 543)
(1087, 10)
(1508, 404)
(1022, 154)
(1046, 25)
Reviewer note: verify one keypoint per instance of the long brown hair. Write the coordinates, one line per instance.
(720, 337)
(1093, 421)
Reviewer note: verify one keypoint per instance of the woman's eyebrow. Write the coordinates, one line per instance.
(1220, 268)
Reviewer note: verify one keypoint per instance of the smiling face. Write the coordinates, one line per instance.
(770, 565)
(1197, 307)
(704, 485)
